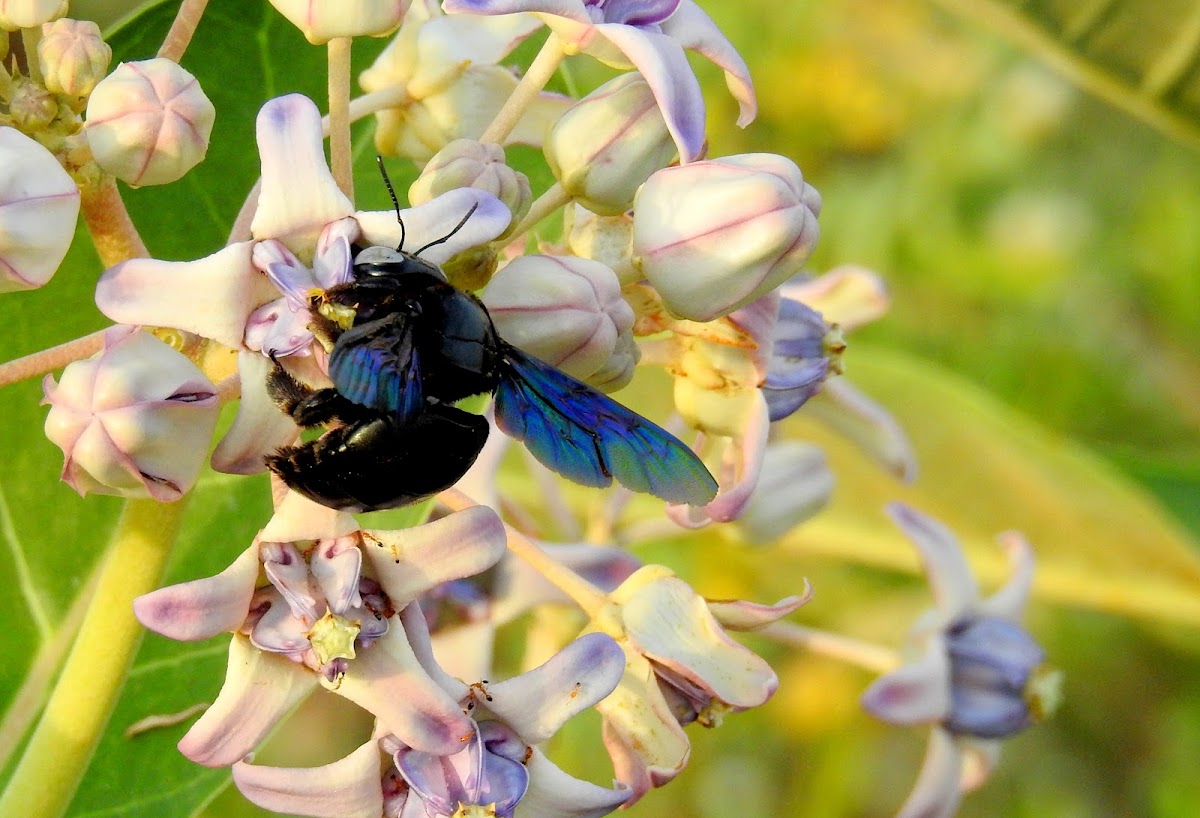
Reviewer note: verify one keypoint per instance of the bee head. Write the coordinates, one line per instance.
(384, 262)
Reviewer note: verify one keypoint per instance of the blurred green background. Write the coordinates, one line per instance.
(1042, 251)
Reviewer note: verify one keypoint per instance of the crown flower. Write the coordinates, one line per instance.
(38, 206)
(136, 419)
(148, 122)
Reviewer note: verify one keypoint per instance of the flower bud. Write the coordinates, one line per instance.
(15, 14)
(608, 143)
(714, 235)
(148, 122)
(31, 107)
(133, 420)
(607, 239)
(568, 311)
(467, 163)
(38, 206)
(73, 56)
(322, 20)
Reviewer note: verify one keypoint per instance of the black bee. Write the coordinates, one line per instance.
(406, 345)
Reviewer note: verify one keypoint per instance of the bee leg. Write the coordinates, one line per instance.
(308, 406)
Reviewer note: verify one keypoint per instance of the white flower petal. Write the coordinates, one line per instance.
(434, 220)
(1009, 602)
(347, 788)
(936, 794)
(554, 794)
(946, 568)
(205, 607)
(259, 427)
(916, 693)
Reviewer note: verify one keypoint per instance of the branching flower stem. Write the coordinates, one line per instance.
(338, 51)
(554, 198)
(182, 29)
(108, 222)
(852, 651)
(540, 71)
(48, 360)
(57, 757)
(591, 599)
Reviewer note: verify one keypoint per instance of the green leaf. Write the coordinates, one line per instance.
(1143, 57)
(1101, 540)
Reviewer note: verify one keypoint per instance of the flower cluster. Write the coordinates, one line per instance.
(372, 327)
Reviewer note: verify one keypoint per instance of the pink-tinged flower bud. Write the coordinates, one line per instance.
(15, 14)
(467, 163)
(607, 239)
(715, 235)
(38, 206)
(148, 122)
(569, 312)
(322, 20)
(133, 420)
(73, 56)
(31, 107)
(608, 143)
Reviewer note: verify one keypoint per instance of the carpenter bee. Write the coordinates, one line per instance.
(406, 345)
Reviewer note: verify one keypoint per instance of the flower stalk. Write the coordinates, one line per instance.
(57, 757)
(182, 29)
(108, 223)
(48, 360)
(338, 51)
(543, 67)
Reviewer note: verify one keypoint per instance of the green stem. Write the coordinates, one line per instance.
(540, 71)
(57, 756)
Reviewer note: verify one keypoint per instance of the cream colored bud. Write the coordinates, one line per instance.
(73, 56)
(148, 122)
(15, 14)
(566, 310)
(608, 143)
(38, 206)
(322, 20)
(712, 236)
(607, 239)
(136, 419)
(31, 106)
(467, 163)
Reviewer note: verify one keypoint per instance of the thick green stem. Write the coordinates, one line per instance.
(58, 754)
(535, 79)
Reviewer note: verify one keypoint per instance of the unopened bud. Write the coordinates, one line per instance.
(15, 14)
(714, 235)
(467, 163)
(608, 143)
(148, 122)
(607, 239)
(73, 56)
(133, 420)
(322, 20)
(31, 106)
(568, 311)
(38, 206)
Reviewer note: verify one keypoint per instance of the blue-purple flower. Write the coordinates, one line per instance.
(979, 676)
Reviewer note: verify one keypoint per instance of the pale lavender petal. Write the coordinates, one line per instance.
(664, 66)
(332, 264)
(504, 783)
(863, 421)
(695, 30)
(739, 615)
(916, 693)
(289, 275)
(347, 788)
(414, 623)
(202, 608)
(299, 518)
(288, 572)
(554, 794)
(275, 328)
(447, 42)
(389, 682)
(278, 630)
(337, 566)
(437, 780)
(298, 195)
(538, 702)
(573, 9)
(259, 427)
(638, 12)
(1009, 602)
(213, 296)
(260, 688)
(409, 562)
(945, 565)
(435, 219)
(936, 794)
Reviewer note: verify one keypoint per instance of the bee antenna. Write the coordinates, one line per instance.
(395, 202)
(446, 237)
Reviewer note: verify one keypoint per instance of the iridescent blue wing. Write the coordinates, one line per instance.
(376, 365)
(590, 438)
